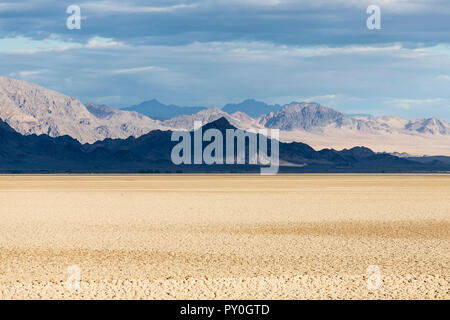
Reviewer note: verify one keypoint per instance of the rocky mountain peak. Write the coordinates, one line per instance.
(31, 109)
(303, 116)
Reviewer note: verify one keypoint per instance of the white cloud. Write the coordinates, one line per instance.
(394, 6)
(444, 77)
(98, 42)
(26, 74)
(258, 3)
(137, 70)
(22, 45)
(408, 104)
(327, 99)
(114, 7)
(267, 50)
(7, 6)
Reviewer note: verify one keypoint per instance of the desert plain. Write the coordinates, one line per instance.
(225, 237)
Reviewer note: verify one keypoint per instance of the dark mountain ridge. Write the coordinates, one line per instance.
(152, 153)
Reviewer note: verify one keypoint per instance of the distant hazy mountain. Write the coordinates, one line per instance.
(186, 122)
(312, 117)
(429, 126)
(323, 127)
(251, 107)
(304, 116)
(319, 119)
(157, 110)
(31, 109)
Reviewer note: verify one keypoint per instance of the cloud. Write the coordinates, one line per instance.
(210, 52)
(414, 103)
(444, 77)
(26, 74)
(98, 42)
(252, 3)
(394, 6)
(106, 7)
(215, 73)
(22, 45)
(291, 22)
(136, 70)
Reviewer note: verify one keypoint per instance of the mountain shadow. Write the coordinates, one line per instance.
(151, 153)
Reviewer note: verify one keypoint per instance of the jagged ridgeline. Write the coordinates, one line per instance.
(151, 153)
(45, 131)
(32, 109)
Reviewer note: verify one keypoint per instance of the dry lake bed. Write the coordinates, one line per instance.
(225, 237)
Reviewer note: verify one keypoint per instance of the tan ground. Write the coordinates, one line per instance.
(189, 237)
(414, 145)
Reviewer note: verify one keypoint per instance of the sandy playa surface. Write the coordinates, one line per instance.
(225, 237)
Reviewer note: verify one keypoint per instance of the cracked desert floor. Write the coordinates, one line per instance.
(225, 237)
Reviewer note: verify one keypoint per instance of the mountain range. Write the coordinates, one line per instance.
(151, 153)
(251, 107)
(323, 127)
(160, 111)
(31, 109)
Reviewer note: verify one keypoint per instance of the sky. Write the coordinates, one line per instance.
(213, 52)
